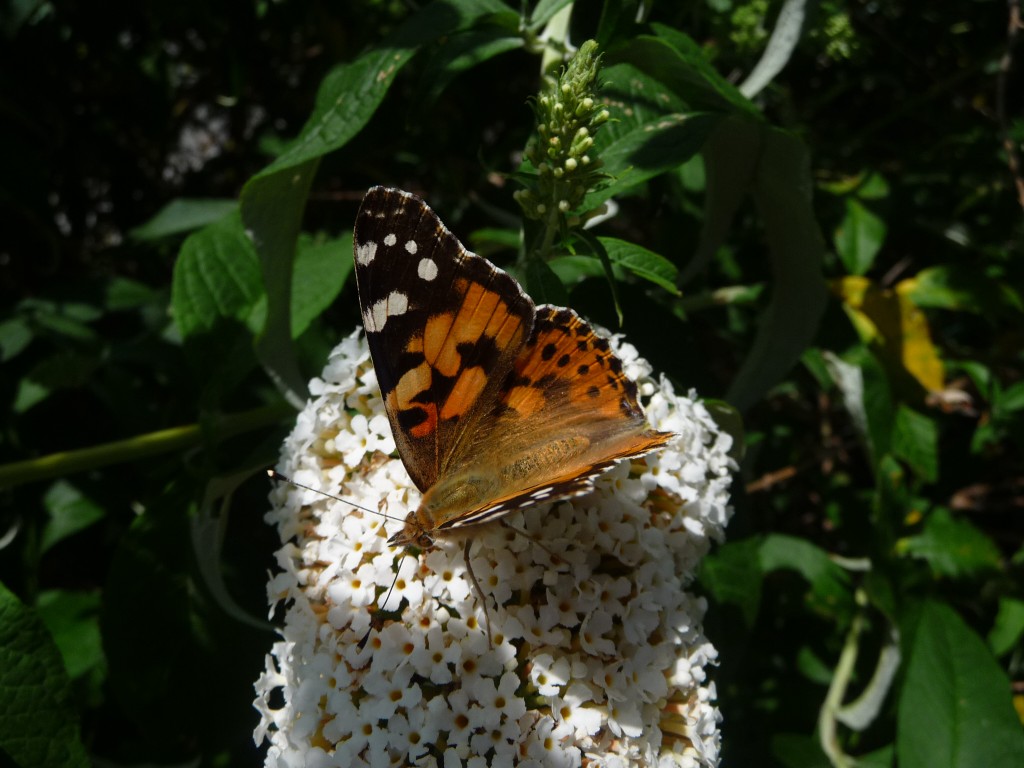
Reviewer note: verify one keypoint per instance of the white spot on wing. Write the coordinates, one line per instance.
(427, 269)
(390, 240)
(377, 316)
(365, 253)
(411, 247)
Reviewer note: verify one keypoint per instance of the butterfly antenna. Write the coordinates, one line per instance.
(284, 478)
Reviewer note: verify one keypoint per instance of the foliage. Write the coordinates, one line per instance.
(179, 201)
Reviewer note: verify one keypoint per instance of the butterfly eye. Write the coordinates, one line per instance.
(424, 541)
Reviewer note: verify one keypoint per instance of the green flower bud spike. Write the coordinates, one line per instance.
(568, 115)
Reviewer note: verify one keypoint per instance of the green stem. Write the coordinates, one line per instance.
(134, 448)
(827, 724)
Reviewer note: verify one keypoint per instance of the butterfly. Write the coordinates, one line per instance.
(496, 404)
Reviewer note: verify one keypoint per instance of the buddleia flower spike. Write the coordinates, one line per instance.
(598, 657)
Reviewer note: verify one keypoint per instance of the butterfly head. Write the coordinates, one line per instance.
(413, 534)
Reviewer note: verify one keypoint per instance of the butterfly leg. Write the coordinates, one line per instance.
(479, 592)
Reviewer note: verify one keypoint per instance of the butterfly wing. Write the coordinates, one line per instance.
(565, 414)
(444, 327)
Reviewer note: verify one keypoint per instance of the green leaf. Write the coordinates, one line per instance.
(642, 262)
(183, 215)
(544, 10)
(1008, 402)
(732, 574)
(216, 277)
(955, 710)
(73, 620)
(782, 191)
(867, 397)
(65, 369)
(217, 302)
(830, 585)
(274, 199)
(122, 294)
(880, 758)
(460, 52)
(321, 269)
(70, 512)
(596, 247)
(576, 268)
(859, 237)
(38, 724)
(649, 150)
(952, 547)
(798, 750)
(915, 439)
(1008, 629)
(15, 335)
(730, 155)
(966, 288)
(543, 284)
(678, 63)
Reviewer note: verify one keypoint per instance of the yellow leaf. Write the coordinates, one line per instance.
(890, 322)
(920, 357)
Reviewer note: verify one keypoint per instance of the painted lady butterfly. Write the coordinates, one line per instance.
(496, 404)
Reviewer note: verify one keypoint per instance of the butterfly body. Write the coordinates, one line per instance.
(496, 404)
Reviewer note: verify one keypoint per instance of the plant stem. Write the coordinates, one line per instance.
(134, 448)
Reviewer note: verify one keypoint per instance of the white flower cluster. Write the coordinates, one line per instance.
(598, 656)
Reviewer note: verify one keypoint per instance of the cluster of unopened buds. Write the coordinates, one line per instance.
(567, 116)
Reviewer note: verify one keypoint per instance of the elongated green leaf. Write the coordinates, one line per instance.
(183, 215)
(676, 61)
(955, 709)
(731, 155)
(461, 52)
(782, 191)
(38, 725)
(636, 99)
(782, 43)
(642, 262)
(650, 150)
